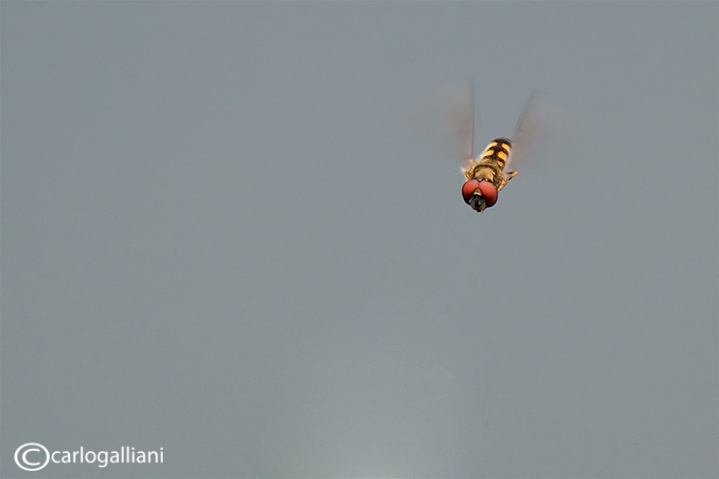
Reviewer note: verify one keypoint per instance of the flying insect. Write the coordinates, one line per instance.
(487, 175)
(489, 172)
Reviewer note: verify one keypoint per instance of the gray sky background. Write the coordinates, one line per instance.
(219, 237)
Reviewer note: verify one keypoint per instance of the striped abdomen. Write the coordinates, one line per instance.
(497, 152)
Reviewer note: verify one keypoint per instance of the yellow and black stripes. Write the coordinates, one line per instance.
(490, 165)
(497, 151)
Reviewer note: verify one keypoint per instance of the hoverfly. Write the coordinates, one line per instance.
(486, 176)
(488, 173)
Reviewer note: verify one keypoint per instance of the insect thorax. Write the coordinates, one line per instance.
(486, 169)
(491, 164)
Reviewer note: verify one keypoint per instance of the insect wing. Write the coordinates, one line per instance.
(535, 128)
(445, 123)
(456, 118)
(465, 121)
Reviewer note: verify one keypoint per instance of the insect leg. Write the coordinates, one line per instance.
(510, 175)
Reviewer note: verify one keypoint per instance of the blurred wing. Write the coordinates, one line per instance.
(457, 120)
(535, 129)
(464, 118)
(446, 122)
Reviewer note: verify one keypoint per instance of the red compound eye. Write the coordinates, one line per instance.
(489, 192)
(486, 189)
(468, 188)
